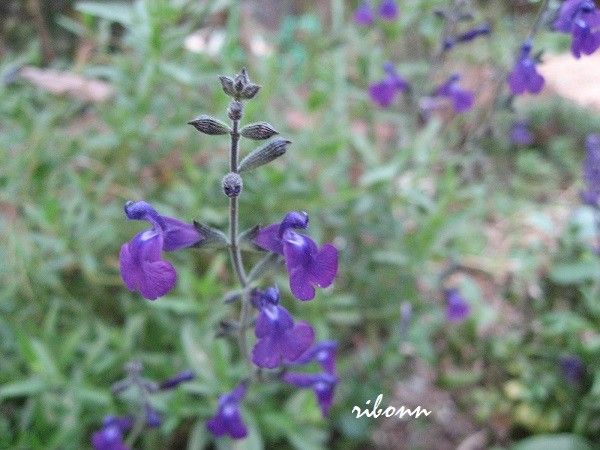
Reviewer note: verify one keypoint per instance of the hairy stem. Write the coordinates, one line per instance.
(234, 248)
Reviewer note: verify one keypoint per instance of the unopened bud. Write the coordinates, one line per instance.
(235, 110)
(209, 125)
(249, 91)
(241, 80)
(258, 131)
(264, 154)
(227, 85)
(232, 184)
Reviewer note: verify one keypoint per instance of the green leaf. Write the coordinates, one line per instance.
(574, 273)
(22, 388)
(119, 12)
(553, 442)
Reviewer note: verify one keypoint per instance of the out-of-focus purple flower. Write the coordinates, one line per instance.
(228, 419)
(572, 368)
(181, 377)
(279, 340)
(586, 34)
(462, 99)
(524, 76)
(570, 10)
(324, 353)
(307, 265)
(520, 134)
(457, 308)
(153, 418)
(110, 436)
(388, 9)
(591, 171)
(142, 268)
(383, 92)
(363, 15)
(323, 384)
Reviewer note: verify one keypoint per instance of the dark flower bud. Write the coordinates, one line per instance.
(232, 184)
(235, 110)
(153, 419)
(258, 131)
(209, 125)
(249, 91)
(181, 377)
(241, 81)
(227, 85)
(264, 154)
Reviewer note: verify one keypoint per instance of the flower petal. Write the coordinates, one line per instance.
(178, 234)
(268, 239)
(324, 266)
(297, 340)
(159, 277)
(266, 353)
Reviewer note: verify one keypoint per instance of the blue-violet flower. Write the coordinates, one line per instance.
(383, 92)
(110, 436)
(462, 99)
(324, 353)
(142, 268)
(228, 419)
(363, 15)
(323, 384)
(524, 77)
(457, 308)
(388, 9)
(307, 265)
(591, 171)
(520, 134)
(279, 340)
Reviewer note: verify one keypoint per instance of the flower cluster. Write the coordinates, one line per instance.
(111, 435)
(281, 341)
(580, 18)
(364, 15)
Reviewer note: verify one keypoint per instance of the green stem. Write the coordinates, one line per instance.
(234, 248)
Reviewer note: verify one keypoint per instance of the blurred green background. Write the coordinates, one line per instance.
(404, 201)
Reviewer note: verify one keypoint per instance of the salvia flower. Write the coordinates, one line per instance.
(483, 29)
(153, 418)
(586, 34)
(570, 11)
(228, 419)
(462, 99)
(363, 15)
(520, 134)
(591, 171)
(279, 339)
(524, 76)
(383, 92)
(142, 268)
(388, 9)
(324, 353)
(457, 308)
(307, 265)
(323, 384)
(572, 368)
(110, 436)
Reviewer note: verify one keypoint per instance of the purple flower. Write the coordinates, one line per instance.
(462, 100)
(388, 9)
(227, 419)
(586, 34)
(457, 308)
(479, 30)
(279, 340)
(520, 134)
(572, 368)
(524, 77)
(307, 265)
(363, 15)
(142, 268)
(591, 171)
(324, 353)
(153, 419)
(181, 377)
(383, 92)
(323, 385)
(570, 10)
(110, 436)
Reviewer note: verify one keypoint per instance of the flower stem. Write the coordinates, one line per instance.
(234, 249)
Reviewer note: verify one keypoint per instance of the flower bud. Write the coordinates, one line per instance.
(232, 184)
(227, 85)
(235, 110)
(264, 154)
(241, 80)
(209, 125)
(258, 131)
(249, 91)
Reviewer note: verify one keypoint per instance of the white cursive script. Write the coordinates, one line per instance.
(390, 411)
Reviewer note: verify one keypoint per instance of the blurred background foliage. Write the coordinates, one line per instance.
(405, 202)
